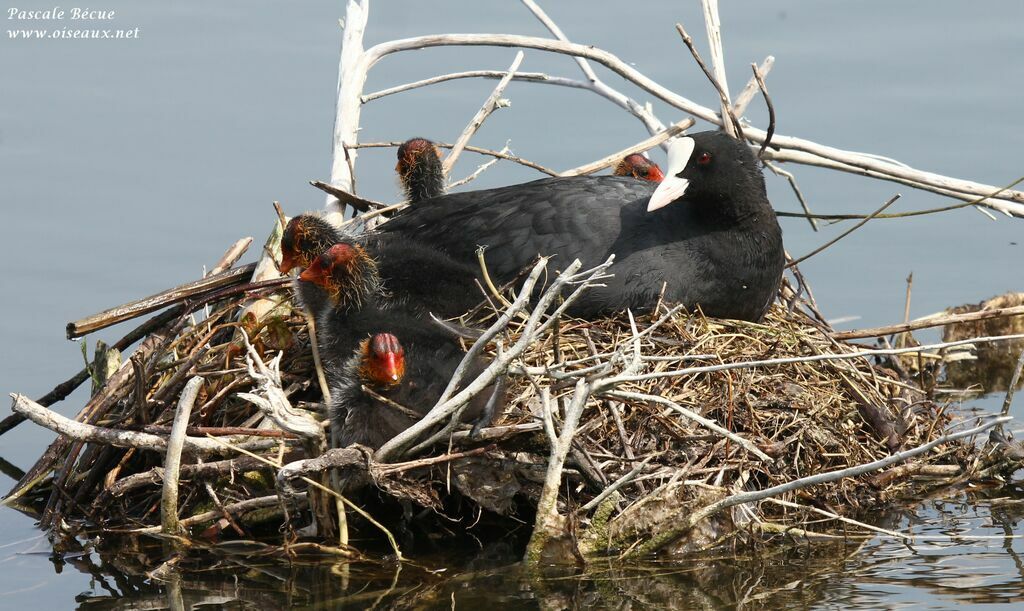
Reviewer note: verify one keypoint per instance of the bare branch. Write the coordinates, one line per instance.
(352, 73)
(483, 167)
(230, 256)
(860, 224)
(172, 459)
(495, 74)
(771, 110)
(938, 320)
(595, 84)
(359, 203)
(1011, 202)
(796, 190)
(816, 357)
(713, 25)
(79, 431)
(450, 400)
(614, 486)
(273, 401)
(730, 124)
(472, 149)
(644, 145)
(492, 103)
(740, 103)
(548, 522)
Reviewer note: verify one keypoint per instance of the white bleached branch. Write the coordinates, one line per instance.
(492, 103)
(1010, 202)
(644, 145)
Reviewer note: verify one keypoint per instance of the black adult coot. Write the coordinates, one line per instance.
(419, 169)
(638, 166)
(409, 274)
(412, 372)
(707, 232)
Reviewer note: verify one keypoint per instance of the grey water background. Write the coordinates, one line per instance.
(128, 165)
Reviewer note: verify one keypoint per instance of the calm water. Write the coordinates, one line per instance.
(127, 165)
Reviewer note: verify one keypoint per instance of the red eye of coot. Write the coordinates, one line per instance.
(704, 159)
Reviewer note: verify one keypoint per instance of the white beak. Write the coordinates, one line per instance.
(673, 187)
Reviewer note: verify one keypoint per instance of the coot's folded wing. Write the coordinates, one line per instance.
(570, 218)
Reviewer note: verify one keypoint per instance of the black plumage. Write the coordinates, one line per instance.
(718, 246)
(410, 275)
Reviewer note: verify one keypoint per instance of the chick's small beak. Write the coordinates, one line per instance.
(286, 264)
(655, 174)
(391, 366)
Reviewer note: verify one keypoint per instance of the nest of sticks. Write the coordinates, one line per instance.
(667, 432)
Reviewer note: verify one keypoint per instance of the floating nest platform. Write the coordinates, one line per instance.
(682, 416)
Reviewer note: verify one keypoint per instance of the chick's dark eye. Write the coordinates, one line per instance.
(704, 159)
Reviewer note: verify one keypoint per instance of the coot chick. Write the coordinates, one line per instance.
(358, 304)
(707, 232)
(346, 289)
(638, 166)
(305, 238)
(413, 275)
(419, 169)
(412, 373)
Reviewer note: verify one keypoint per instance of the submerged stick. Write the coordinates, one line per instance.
(172, 460)
(247, 505)
(549, 523)
(162, 299)
(1009, 399)
(692, 519)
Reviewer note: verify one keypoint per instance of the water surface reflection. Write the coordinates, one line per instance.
(965, 551)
